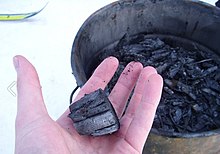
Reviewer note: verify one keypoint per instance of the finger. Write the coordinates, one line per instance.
(121, 92)
(100, 78)
(136, 98)
(141, 124)
(30, 101)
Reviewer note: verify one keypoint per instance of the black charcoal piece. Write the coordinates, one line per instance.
(94, 115)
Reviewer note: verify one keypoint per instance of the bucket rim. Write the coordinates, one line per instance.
(185, 135)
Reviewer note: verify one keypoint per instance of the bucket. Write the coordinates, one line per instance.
(189, 20)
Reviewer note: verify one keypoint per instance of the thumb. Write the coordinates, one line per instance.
(30, 104)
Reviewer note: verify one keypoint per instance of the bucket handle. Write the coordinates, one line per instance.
(73, 92)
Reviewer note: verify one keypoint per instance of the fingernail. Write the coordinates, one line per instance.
(16, 62)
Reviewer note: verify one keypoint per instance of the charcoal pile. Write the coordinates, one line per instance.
(191, 96)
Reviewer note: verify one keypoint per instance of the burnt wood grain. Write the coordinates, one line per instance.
(94, 115)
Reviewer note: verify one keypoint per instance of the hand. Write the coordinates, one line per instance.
(37, 133)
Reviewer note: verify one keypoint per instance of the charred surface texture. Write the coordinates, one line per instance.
(94, 115)
(191, 95)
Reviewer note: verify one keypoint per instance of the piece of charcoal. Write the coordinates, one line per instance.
(177, 115)
(177, 102)
(197, 108)
(186, 89)
(202, 61)
(214, 85)
(135, 48)
(94, 115)
(168, 90)
(152, 44)
(209, 91)
(174, 70)
(159, 56)
(215, 114)
(161, 68)
(209, 71)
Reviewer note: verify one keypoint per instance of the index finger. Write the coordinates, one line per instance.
(99, 79)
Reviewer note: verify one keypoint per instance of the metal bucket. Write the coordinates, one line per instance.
(191, 20)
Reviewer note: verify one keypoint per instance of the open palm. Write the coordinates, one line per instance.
(37, 133)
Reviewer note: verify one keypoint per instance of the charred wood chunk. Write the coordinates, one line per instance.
(161, 68)
(94, 115)
(174, 70)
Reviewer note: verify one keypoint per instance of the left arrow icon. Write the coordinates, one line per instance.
(10, 88)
